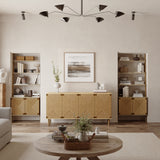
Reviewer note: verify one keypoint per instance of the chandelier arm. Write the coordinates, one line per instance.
(94, 14)
(72, 10)
(70, 14)
(90, 10)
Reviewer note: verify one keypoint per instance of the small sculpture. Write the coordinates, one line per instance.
(3, 75)
(37, 67)
(136, 58)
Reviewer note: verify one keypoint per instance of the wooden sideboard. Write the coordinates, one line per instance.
(2, 95)
(75, 105)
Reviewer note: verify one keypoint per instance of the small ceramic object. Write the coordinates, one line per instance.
(83, 136)
(136, 58)
(62, 128)
(29, 93)
(37, 67)
(97, 130)
(126, 91)
(3, 75)
(140, 67)
(57, 85)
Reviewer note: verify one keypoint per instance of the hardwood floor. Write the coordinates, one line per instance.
(36, 127)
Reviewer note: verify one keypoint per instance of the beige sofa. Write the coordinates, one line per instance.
(5, 126)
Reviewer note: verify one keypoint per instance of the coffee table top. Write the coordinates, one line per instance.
(48, 146)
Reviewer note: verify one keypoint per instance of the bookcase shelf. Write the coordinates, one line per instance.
(25, 84)
(25, 73)
(132, 95)
(26, 60)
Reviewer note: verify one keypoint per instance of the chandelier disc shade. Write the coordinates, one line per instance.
(23, 15)
(119, 13)
(44, 13)
(65, 19)
(60, 7)
(101, 7)
(133, 15)
(99, 19)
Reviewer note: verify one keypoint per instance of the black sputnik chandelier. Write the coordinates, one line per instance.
(66, 17)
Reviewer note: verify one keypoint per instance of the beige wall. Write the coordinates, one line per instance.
(52, 37)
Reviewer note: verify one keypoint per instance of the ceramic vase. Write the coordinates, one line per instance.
(57, 85)
(83, 136)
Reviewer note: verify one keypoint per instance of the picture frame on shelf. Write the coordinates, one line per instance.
(79, 67)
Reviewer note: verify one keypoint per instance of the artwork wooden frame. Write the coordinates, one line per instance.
(79, 67)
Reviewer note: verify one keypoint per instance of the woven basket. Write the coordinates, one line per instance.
(77, 145)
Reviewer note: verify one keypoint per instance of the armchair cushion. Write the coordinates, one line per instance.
(5, 112)
(5, 126)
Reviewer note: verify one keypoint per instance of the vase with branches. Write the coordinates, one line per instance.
(56, 73)
(82, 126)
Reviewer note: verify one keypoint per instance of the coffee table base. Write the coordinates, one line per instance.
(78, 158)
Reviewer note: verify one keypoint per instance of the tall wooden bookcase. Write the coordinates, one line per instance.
(132, 100)
(25, 96)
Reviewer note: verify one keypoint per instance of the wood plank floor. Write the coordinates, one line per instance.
(37, 127)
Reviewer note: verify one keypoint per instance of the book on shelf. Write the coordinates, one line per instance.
(125, 82)
(20, 67)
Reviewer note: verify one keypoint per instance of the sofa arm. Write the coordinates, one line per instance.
(6, 112)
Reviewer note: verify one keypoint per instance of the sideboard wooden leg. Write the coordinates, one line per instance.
(93, 158)
(78, 158)
(64, 158)
(49, 122)
(108, 125)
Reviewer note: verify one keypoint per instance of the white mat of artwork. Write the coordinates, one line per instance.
(136, 146)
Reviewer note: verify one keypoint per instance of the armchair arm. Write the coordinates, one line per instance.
(6, 112)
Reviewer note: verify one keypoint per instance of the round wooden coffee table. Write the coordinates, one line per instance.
(48, 146)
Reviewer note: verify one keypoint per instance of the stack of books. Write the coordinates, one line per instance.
(124, 59)
(20, 67)
(101, 137)
(125, 82)
(139, 82)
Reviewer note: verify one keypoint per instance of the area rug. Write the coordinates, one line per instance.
(136, 146)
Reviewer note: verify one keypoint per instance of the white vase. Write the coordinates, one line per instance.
(83, 136)
(57, 85)
(3, 75)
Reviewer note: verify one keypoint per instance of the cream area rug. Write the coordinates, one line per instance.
(136, 146)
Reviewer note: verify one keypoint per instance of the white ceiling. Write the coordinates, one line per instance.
(151, 7)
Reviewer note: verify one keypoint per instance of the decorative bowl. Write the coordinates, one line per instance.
(62, 128)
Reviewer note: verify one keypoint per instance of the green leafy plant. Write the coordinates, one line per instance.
(83, 125)
(56, 73)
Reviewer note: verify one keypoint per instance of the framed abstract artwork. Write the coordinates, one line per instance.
(79, 67)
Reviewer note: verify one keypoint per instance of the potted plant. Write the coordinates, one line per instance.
(56, 73)
(82, 126)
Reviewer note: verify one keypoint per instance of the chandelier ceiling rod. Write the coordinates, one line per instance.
(81, 7)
